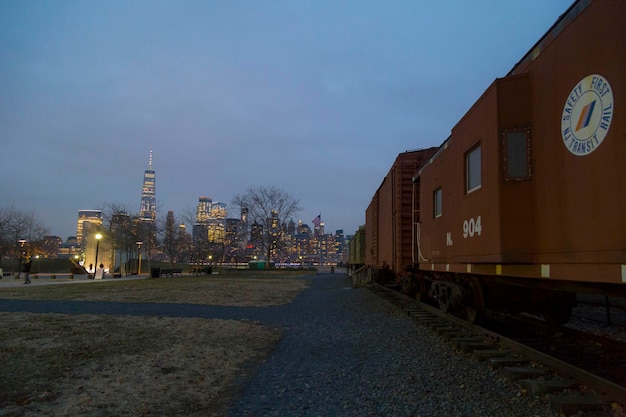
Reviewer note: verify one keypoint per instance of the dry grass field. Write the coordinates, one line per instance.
(242, 289)
(67, 365)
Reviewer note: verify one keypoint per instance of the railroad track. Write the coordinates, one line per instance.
(600, 355)
(569, 388)
(610, 311)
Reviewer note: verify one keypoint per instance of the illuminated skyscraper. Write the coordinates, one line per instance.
(209, 226)
(147, 212)
(200, 232)
(88, 220)
(218, 210)
(318, 226)
(203, 211)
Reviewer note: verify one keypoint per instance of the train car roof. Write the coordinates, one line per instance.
(522, 65)
(442, 148)
(563, 21)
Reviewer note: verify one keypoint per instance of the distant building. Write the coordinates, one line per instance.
(215, 230)
(340, 249)
(233, 240)
(122, 246)
(291, 228)
(210, 222)
(69, 249)
(304, 229)
(255, 245)
(218, 210)
(147, 211)
(120, 223)
(231, 232)
(244, 229)
(88, 220)
(318, 226)
(200, 231)
(203, 210)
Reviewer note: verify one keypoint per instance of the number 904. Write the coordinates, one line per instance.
(472, 227)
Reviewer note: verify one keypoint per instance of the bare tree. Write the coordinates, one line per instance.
(185, 245)
(188, 216)
(270, 207)
(8, 239)
(171, 241)
(122, 235)
(124, 230)
(17, 225)
(187, 248)
(147, 233)
(198, 248)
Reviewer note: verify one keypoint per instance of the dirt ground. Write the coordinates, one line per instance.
(66, 365)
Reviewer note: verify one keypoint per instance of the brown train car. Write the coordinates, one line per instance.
(356, 248)
(356, 258)
(525, 203)
(389, 218)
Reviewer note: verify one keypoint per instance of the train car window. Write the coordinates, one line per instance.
(472, 170)
(517, 155)
(437, 203)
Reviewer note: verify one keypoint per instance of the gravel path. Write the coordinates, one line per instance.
(345, 352)
(349, 353)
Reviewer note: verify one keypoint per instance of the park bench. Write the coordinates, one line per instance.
(171, 272)
(198, 270)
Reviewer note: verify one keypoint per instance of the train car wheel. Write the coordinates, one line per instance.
(474, 303)
(408, 287)
(443, 299)
(420, 291)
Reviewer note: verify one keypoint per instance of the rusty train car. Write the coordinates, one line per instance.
(389, 219)
(524, 204)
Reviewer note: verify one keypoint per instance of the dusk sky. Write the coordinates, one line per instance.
(316, 98)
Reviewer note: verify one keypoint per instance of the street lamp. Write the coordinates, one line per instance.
(139, 243)
(22, 242)
(95, 266)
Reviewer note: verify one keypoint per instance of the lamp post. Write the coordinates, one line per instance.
(95, 266)
(139, 243)
(22, 242)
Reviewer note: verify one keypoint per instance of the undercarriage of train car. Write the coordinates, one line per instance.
(383, 276)
(469, 295)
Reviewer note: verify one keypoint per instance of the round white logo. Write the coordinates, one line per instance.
(587, 115)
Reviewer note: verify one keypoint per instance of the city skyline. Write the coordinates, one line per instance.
(213, 235)
(148, 203)
(70, 219)
(316, 99)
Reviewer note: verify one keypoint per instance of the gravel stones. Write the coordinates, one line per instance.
(347, 352)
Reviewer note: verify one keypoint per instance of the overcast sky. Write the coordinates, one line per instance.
(314, 97)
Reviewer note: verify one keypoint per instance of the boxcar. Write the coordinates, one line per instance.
(356, 258)
(389, 219)
(525, 203)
